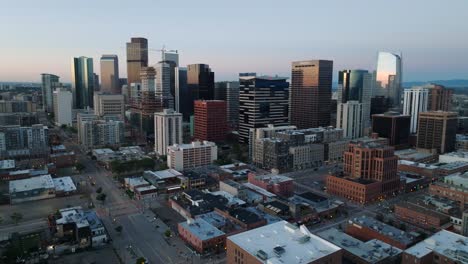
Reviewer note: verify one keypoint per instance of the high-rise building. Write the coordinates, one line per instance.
(437, 130)
(188, 156)
(389, 77)
(167, 130)
(310, 93)
(49, 83)
(200, 83)
(355, 85)
(210, 120)
(109, 104)
(263, 100)
(93, 132)
(349, 117)
(229, 92)
(182, 99)
(165, 83)
(171, 58)
(137, 58)
(82, 82)
(415, 102)
(439, 98)
(110, 82)
(63, 101)
(394, 126)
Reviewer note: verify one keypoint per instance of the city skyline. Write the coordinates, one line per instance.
(432, 48)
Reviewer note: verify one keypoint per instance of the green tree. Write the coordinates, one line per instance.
(403, 226)
(101, 197)
(119, 229)
(379, 217)
(16, 217)
(99, 190)
(140, 260)
(167, 233)
(79, 167)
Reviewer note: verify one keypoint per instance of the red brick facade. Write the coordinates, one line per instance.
(210, 119)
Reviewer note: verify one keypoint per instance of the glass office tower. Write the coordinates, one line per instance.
(389, 77)
(110, 82)
(137, 58)
(82, 82)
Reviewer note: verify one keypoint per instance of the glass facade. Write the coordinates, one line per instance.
(82, 82)
(388, 79)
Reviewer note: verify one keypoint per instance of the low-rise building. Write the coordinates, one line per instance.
(417, 155)
(274, 183)
(366, 228)
(461, 142)
(454, 156)
(134, 183)
(80, 227)
(453, 187)
(202, 236)
(31, 189)
(166, 181)
(356, 251)
(194, 202)
(281, 242)
(64, 186)
(442, 247)
(420, 215)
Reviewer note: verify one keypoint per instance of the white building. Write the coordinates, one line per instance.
(187, 156)
(281, 242)
(63, 101)
(415, 101)
(349, 117)
(167, 130)
(454, 157)
(109, 104)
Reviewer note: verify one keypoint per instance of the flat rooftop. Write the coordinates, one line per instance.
(313, 197)
(232, 200)
(448, 244)
(394, 233)
(412, 154)
(64, 184)
(34, 183)
(201, 229)
(458, 154)
(423, 209)
(372, 251)
(138, 181)
(163, 174)
(103, 151)
(417, 164)
(194, 144)
(453, 165)
(7, 164)
(259, 190)
(282, 242)
(457, 179)
(273, 178)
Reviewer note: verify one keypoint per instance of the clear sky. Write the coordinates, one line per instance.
(236, 36)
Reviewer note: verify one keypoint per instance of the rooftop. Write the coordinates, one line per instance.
(7, 164)
(64, 184)
(232, 200)
(448, 244)
(372, 251)
(313, 197)
(259, 190)
(103, 151)
(417, 164)
(273, 178)
(135, 182)
(162, 174)
(452, 165)
(194, 144)
(457, 154)
(457, 179)
(283, 242)
(34, 183)
(412, 154)
(201, 229)
(384, 229)
(421, 208)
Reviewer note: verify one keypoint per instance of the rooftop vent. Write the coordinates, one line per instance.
(262, 255)
(278, 250)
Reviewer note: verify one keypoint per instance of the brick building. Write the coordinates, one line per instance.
(366, 228)
(453, 187)
(277, 184)
(369, 173)
(437, 130)
(420, 215)
(210, 120)
(202, 236)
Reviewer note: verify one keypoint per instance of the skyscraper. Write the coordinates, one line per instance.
(437, 130)
(164, 83)
(353, 104)
(389, 77)
(200, 83)
(263, 100)
(82, 82)
(182, 97)
(171, 58)
(210, 120)
(137, 58)
(110, 82)
(415, 101)
(439, 97)
(394, 126)
(49, 83)
(63, 107)
(229, 92)
(310, 93)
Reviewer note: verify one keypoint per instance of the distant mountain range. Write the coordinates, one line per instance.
(457, 83)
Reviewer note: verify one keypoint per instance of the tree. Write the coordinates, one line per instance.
(16, 217)
(79, 167)
(403, 226)
(167, 233)
(119, 229)
(99, 190)
(101, 197)
(141, 260)
(379, 217)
